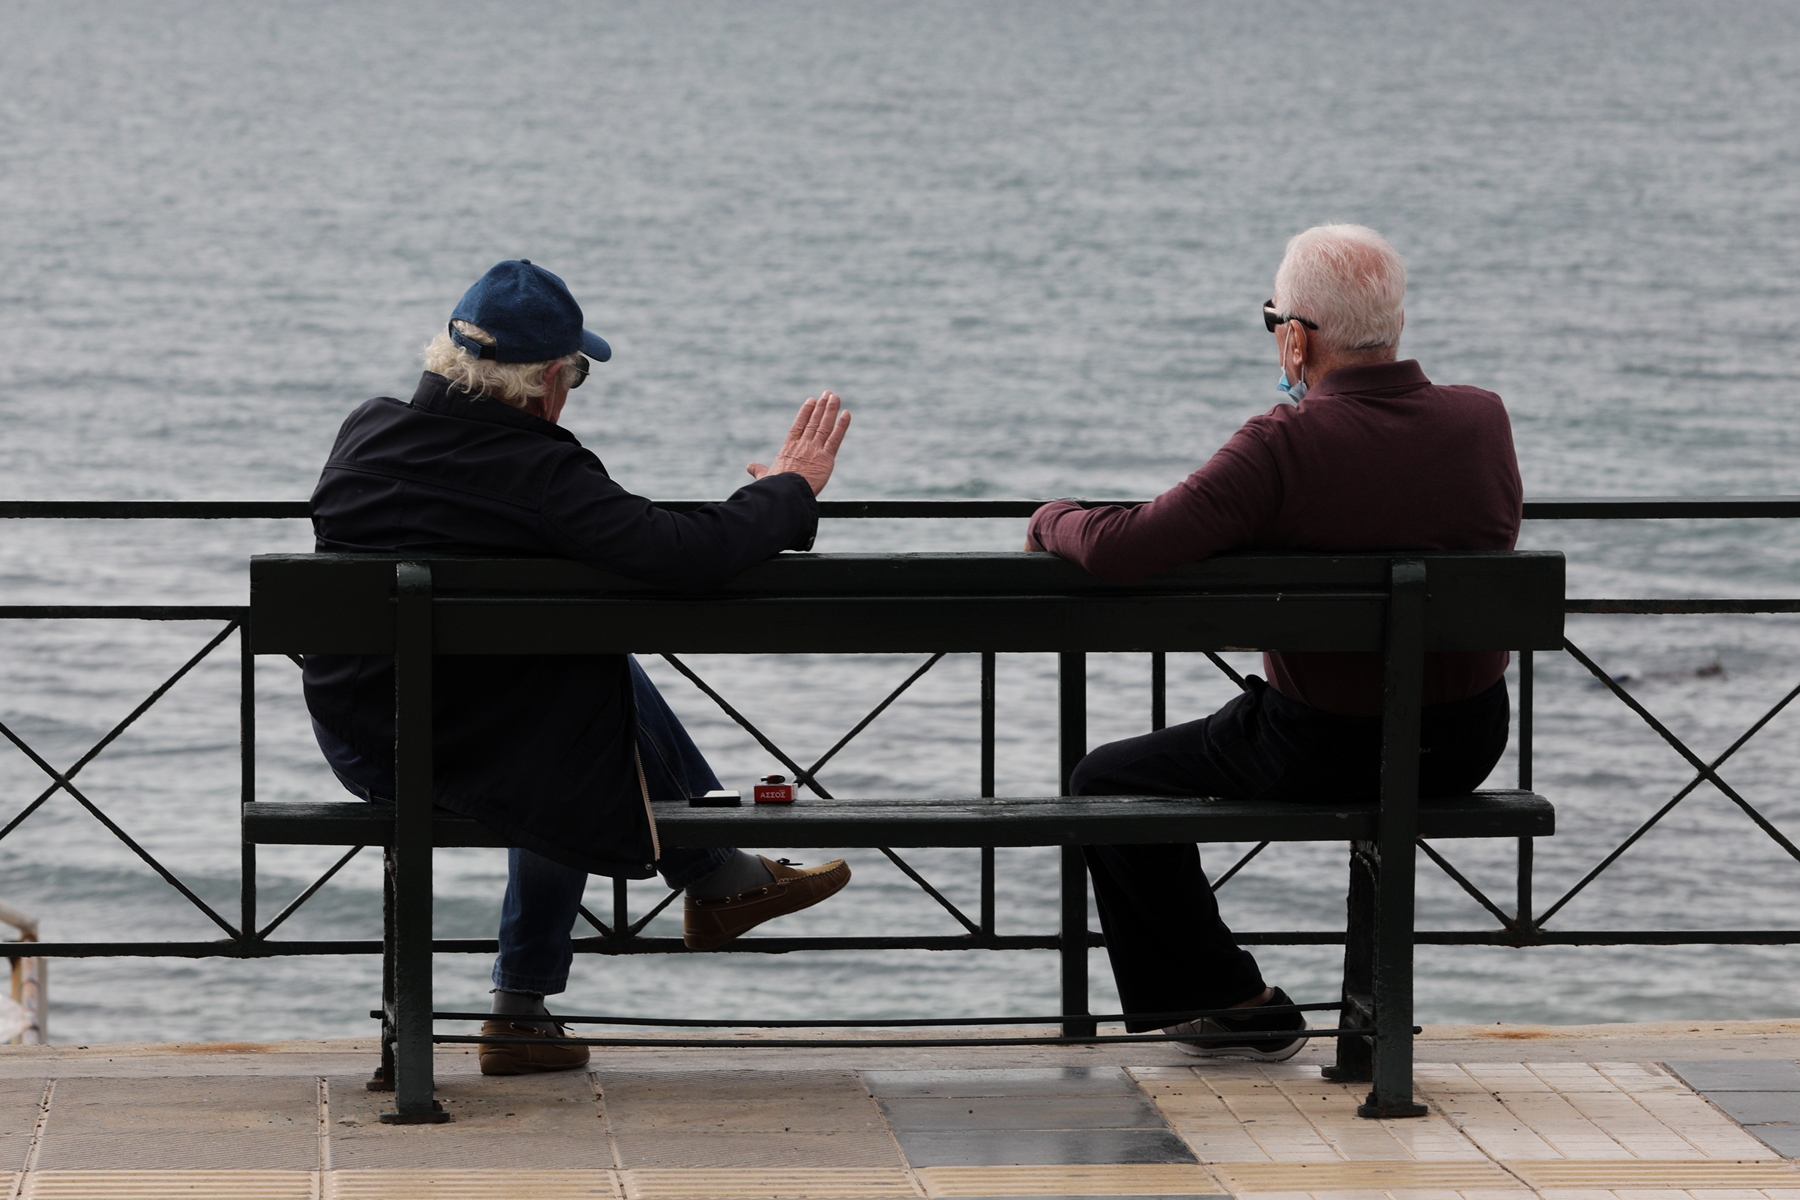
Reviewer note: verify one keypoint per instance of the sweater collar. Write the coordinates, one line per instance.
(1401, 376)
(435, 395)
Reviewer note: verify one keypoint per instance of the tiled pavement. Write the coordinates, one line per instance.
(660, 1129)
(1763, 1095)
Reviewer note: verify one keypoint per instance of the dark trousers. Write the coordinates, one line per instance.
(1170, 949)
(537, 914)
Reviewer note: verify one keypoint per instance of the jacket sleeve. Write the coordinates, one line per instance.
(1227, 503)
(600, 523)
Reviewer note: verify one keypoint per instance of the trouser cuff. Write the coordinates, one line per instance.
(684, 868)
(542, 985)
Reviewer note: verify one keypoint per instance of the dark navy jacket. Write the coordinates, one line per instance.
(539, 749)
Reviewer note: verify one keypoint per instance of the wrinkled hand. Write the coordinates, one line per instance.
(812, 443)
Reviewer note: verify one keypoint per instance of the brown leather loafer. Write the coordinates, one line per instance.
(525, 1058)
(714, 922)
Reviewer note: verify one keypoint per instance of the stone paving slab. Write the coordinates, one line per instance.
(1027, 1081)
(21, 1100)
(1042, 1147)
(512, 1123)
(926, 1114)
(1737, 1075)
(209, 1123)
(1763, 1096)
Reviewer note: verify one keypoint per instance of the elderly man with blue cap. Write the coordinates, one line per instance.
(561, 756)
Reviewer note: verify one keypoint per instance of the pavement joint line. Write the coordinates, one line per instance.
(37, 1139)
(324, 1122)
(604, 1112)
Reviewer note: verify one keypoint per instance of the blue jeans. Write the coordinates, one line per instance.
(537, 915)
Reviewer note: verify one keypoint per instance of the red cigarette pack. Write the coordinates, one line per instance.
(773, 789)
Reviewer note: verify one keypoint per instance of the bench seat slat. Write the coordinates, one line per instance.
(1023, 821)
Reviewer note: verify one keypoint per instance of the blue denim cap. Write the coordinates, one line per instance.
(530, 314)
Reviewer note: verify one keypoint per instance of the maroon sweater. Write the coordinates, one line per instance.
(1375, 458)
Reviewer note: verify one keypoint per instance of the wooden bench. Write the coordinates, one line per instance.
(1398, 605)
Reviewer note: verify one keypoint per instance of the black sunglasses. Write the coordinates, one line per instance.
(1271, 318)
(579, 368)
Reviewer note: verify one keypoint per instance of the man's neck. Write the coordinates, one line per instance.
(1334, 362)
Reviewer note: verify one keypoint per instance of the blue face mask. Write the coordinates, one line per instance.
(1293, 391)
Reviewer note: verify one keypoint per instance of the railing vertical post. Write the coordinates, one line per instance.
(1397, 833)
(621, 907)
(246, 777)
(1159, 690)
(987, 786)
(1071, 678)
(1526, 846)
(413, 1085)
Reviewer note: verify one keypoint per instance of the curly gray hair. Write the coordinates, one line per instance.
(510, 383)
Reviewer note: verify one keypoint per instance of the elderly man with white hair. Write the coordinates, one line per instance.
(1370, 456)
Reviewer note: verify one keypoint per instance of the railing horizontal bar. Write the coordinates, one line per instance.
(787, 945)
(1549, 508)
(1435, 937)
(124, 612)
(139, 510)
(849, 1043)
(827, 598)
(635, 945)
(219, 949)
(1681, 605)
(1606, 937)
(893, 1022)
(1655, 508)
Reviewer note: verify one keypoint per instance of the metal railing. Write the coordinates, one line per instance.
(30, 980)
(1523, 924)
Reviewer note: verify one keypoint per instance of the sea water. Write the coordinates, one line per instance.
(1028, 244)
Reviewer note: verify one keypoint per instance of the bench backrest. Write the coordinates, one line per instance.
(345, 604)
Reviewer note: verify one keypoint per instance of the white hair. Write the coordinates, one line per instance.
(1348, 280)
(510, 383)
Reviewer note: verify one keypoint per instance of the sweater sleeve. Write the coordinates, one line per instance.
(604, 525)
(1231, 501)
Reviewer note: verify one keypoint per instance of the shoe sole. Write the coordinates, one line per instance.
(836, 881)
(517, 1058)
(496, 1065)
(1245, 1052)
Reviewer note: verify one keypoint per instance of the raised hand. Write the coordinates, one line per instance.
(812, 443)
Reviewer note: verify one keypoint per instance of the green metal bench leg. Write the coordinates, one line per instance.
(1355, 1060)
(411, 1014)
(383, 1079)
(1071, 686)
(1396, 839)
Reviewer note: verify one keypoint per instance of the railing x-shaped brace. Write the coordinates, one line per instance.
(64, 780)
